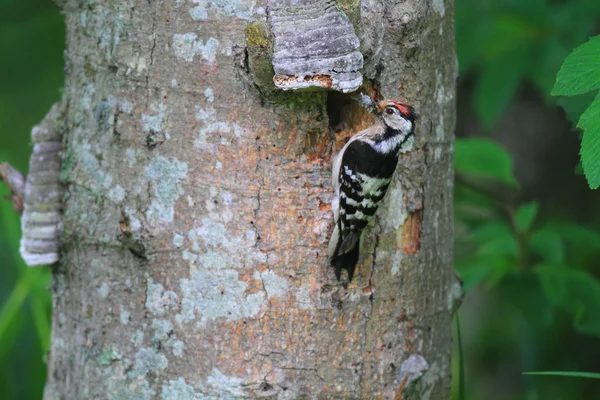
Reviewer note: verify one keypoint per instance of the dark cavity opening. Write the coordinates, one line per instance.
(338, 105)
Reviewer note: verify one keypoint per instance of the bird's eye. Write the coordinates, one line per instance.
(389, 111)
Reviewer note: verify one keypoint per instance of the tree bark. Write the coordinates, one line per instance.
(196, 214)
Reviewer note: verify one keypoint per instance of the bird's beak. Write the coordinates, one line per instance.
(367, 102)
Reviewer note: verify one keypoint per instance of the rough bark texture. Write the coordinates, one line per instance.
(197, 211)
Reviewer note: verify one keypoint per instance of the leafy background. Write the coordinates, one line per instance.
(527, 223)
(527, 226)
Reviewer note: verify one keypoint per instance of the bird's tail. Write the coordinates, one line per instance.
(344, 252)
(346, 261)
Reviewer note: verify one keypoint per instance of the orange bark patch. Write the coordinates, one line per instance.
(367, 290)
(398, 394)
(411, 233)
(320, 149)
(323, 207)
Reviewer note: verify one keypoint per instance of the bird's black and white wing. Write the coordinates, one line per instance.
(358, 193)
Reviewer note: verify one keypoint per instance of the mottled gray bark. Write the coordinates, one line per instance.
(196, 214)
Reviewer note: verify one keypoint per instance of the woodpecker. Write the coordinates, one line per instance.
(361, 174)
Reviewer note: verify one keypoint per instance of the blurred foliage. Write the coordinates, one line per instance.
(507, 42)
(480, 157)
(540, 269)
(531, 274)
(500, 240)
(31, 74)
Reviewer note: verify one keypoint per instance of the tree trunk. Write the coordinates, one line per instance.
(196, 214)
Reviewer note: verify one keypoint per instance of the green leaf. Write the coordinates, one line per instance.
(490, 231)
(592, 375)
(483, 158)
(580, 73)
(472, 34)
(42, 325)
(491, 269)
(574, 106)
(12, 305)
(505, 245)
(496, 86)
(490, 254)
(525, 215)
(578, 235)
(495, 239)
(578, 244)
(549, 245)
(544, 67)
(590, 144)
(575, 291)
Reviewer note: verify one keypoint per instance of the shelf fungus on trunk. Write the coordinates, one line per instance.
(42, 200)
(315, 46)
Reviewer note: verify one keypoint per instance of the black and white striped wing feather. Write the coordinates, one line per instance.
(358, 192)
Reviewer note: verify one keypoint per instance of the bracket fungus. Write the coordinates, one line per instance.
(42, 199)
(315, 46)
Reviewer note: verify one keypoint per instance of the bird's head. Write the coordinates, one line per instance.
(397, 115)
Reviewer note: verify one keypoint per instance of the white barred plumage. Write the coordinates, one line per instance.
(361, 174)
